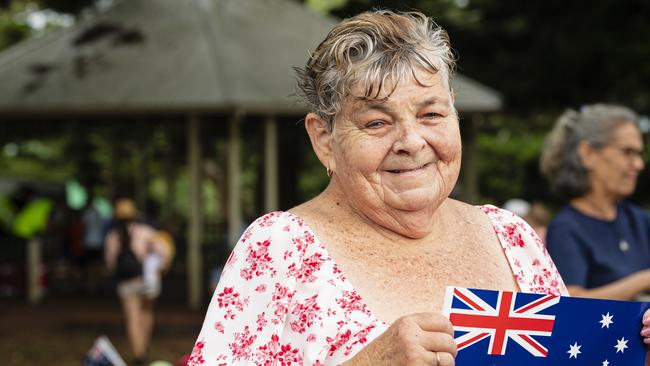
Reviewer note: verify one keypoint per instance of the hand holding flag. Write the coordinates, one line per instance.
(417, 339)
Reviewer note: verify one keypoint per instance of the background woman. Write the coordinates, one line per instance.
(127, 247)
(599, 241)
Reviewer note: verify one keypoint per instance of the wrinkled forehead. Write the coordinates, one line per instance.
(420, 82)
(626, 131)
(377, 76)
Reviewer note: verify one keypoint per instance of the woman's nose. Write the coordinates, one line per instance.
(409, 141)
(639, 163)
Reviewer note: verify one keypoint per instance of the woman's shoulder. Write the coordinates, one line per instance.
(494, 213)
(462, 209)
(465, 214)
(568, 222)
(280, 231)
(533, 267)
(274, 243)
(141, 229)
(499, 216)
(570, 215)
(274, 224)
(512, 230)
(635, 210)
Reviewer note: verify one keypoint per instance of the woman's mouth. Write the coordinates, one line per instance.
(400, 171)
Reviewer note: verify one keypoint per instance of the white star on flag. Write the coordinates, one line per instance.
(607, 320)
(605, 363)
(621, 345)
(574, 350)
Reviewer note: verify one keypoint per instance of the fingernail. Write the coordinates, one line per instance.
(645, 331)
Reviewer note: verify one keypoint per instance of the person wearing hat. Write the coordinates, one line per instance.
(127, 246)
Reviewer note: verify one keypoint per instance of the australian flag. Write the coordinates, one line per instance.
(499, 328)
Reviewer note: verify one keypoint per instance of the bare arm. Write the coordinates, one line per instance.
(111, 248)
(626, 288)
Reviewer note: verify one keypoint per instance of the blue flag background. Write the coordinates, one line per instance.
(585, 332)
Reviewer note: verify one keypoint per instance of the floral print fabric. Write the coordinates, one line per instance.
(283, 301)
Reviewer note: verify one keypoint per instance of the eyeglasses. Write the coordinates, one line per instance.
(629, 152)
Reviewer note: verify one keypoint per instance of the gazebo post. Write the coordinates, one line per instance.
(114, 146)
(195, 218)
(170, 177)
(234, 180)
(34, 260)
(270, 164)
(139, 157)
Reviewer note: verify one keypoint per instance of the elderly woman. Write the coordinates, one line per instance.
(357, 275)
(599, 241)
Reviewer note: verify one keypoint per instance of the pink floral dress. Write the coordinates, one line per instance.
(283, 301)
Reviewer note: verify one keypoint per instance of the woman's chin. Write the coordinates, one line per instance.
(414, 201)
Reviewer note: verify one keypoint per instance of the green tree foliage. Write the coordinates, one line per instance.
(325, 6)
(12, 31)
(14, 25)
(508, 158)
(550, 54)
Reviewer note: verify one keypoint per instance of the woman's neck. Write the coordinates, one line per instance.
(389, 227)
(596, 205)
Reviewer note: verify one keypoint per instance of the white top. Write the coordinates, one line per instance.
(283, 301)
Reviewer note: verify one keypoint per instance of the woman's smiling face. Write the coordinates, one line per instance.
(400, 155)
(615, 168)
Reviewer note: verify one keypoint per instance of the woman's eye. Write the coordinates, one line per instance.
(375, 124)
(432, 115)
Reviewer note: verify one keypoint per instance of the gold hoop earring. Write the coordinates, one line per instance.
(329, 172)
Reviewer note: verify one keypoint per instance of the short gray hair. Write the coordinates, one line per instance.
(365, 51)
(560, 162)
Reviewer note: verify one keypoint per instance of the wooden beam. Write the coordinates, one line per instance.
(271, 165)
(140, 177)
(113, 158)
(170, 177)
(34, 254)
(195, 216)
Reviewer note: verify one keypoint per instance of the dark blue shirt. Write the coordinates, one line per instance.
(587, 250)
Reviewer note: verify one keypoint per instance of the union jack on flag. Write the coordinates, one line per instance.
(508, 328)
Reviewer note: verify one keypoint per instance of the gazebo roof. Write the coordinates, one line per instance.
(177, 56)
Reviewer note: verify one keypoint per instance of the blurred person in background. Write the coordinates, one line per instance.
(136, 253)
(538, 218)
(517, 206)
(93, 239)
(599, 241)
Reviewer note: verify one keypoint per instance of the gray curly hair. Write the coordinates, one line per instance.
(560, 162)
(365, 51)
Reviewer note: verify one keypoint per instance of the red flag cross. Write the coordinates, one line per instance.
(504, 320)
